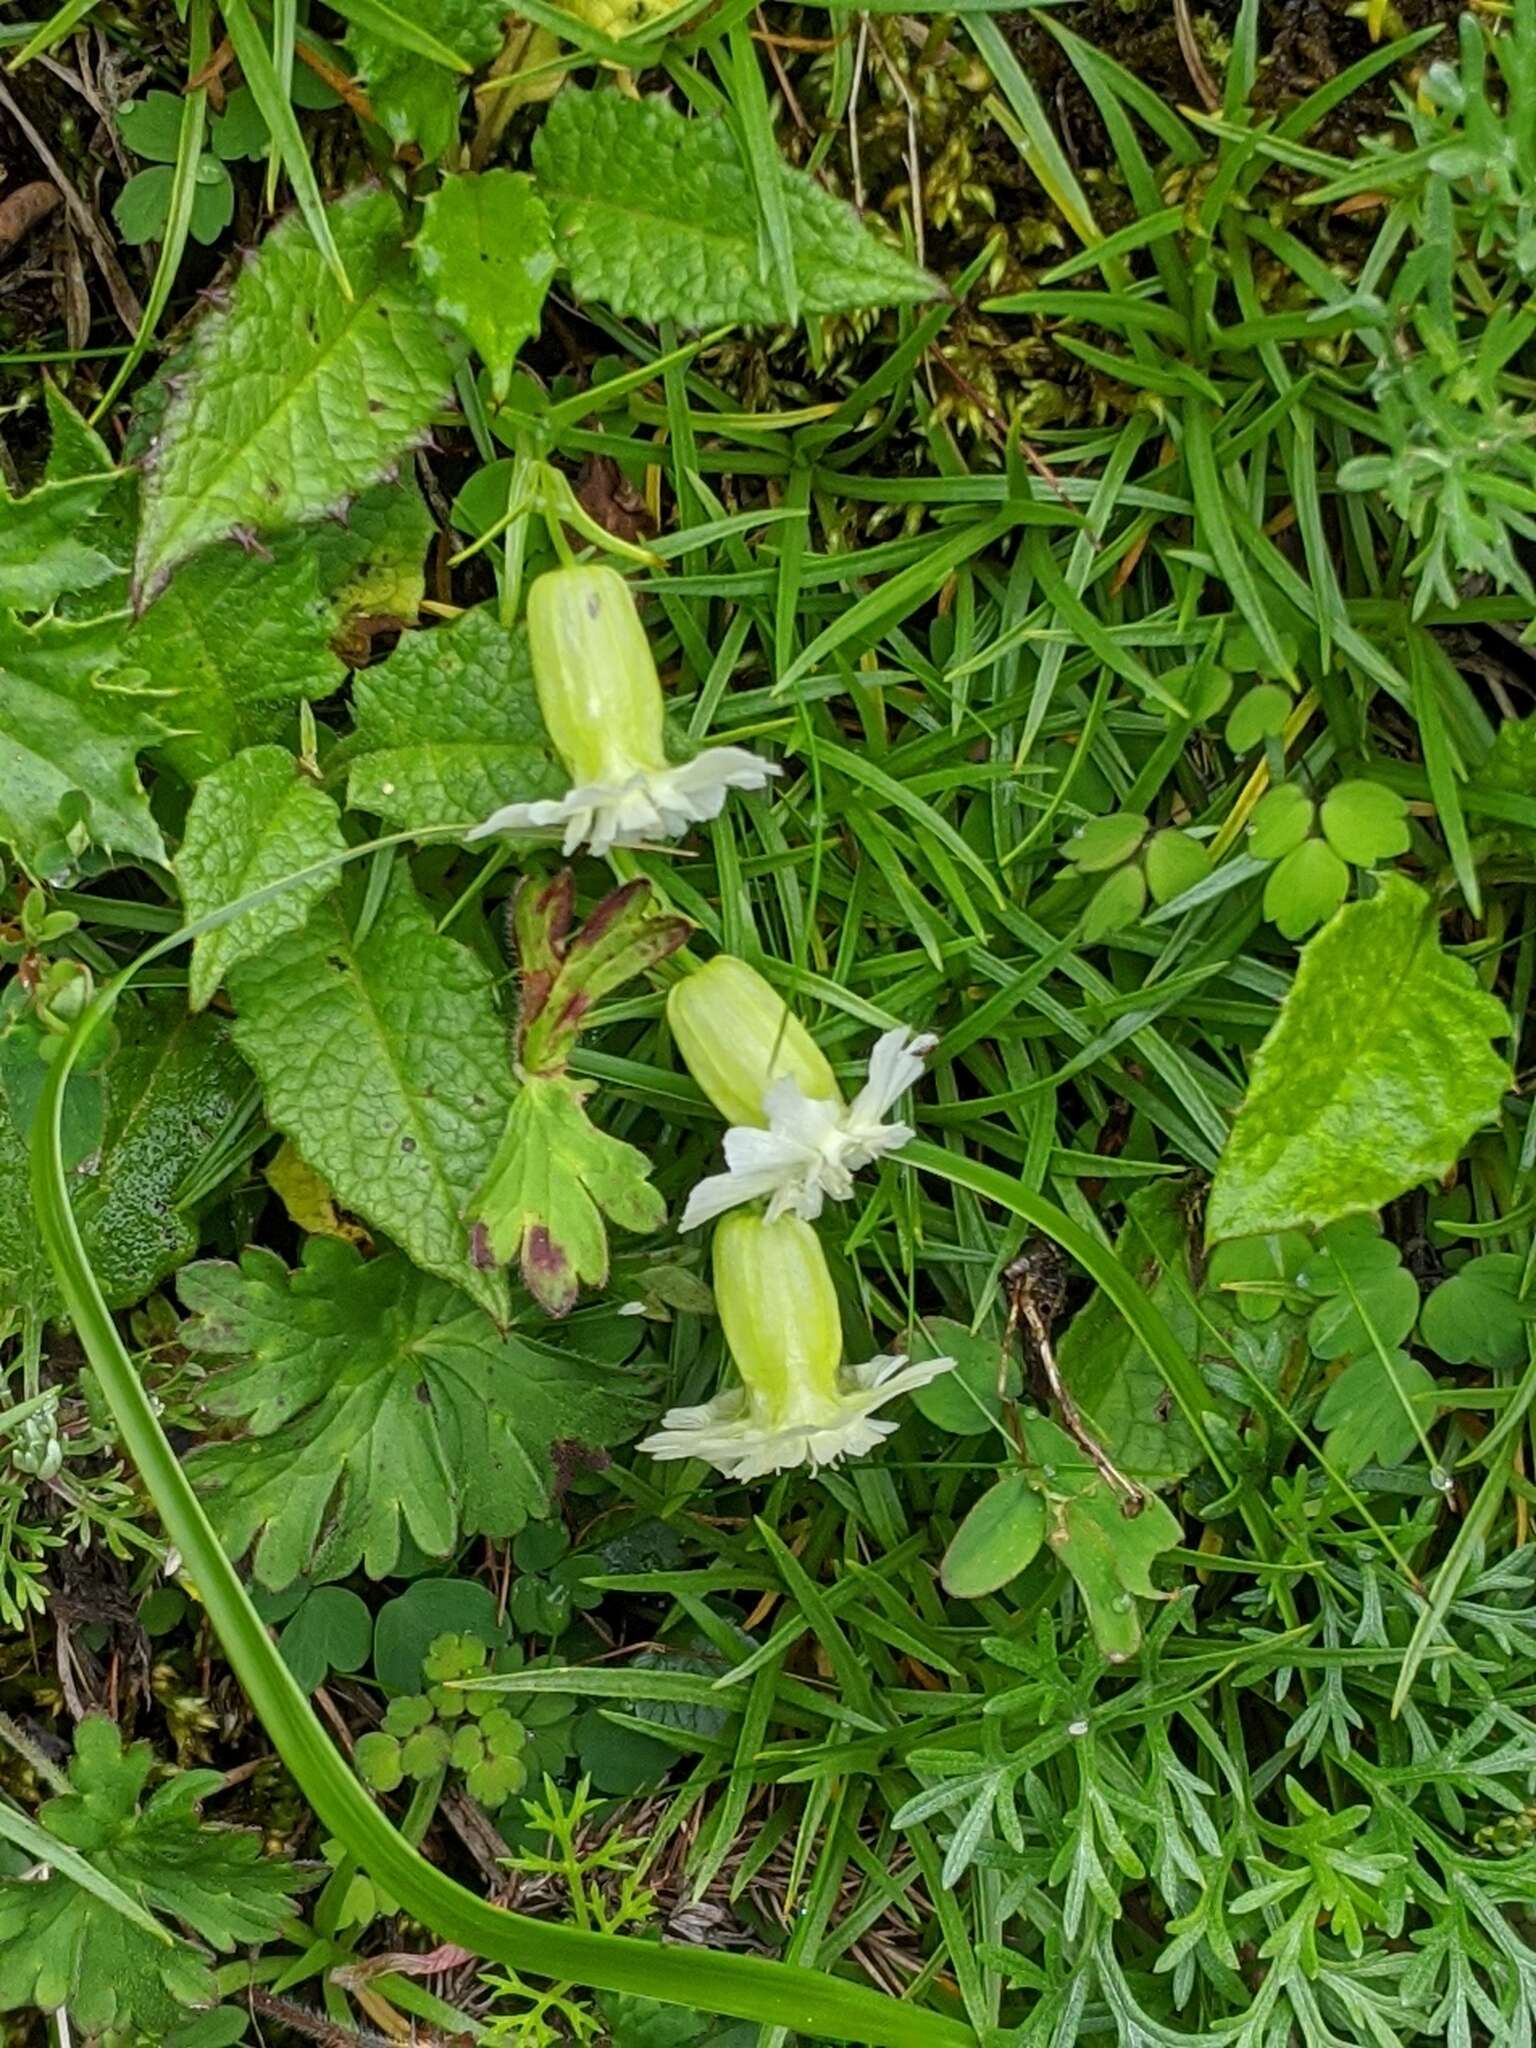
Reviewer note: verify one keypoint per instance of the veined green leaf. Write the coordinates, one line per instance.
(254, 820)
(383, 1059)
(1376, 1073)
(295, 398)
(654, 215)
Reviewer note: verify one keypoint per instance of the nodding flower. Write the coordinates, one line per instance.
(601, 701)
(793, 1140)
(793, 1401)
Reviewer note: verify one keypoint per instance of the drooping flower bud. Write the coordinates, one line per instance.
(601, 700)
(595, 675)
(738, 1035)
(794, 1405)
(793, 1141)
(778, 1309)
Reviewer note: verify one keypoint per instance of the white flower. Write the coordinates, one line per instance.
(795, 1404)
(741, 1438)
(639, 808)
(813, 1146)
(600, 698)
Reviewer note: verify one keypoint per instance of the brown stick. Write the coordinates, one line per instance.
(129, 311)
(27, 205)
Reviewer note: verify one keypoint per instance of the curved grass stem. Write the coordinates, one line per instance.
(741, 1987)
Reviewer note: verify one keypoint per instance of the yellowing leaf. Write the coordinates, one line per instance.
(308, 1199)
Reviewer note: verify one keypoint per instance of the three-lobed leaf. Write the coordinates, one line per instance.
(656, 217)
(294, 398)
(1375, 1074)
(379, 1405)
(253, 822)
(553, 1180)
(382, 1057)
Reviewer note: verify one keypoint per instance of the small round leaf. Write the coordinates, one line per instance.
(1280, 822)
(997, 1539)
(1104, 843)
(1306, 887)
(1365, 822)
(1175, 862)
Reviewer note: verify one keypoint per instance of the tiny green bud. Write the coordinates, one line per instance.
(595, 675)
(736, 1035)
(778, 1309)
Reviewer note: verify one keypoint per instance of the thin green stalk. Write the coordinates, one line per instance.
(743, 1987)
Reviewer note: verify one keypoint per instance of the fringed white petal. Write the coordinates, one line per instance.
(812, 1147)
(727, 1434)
(653, 804)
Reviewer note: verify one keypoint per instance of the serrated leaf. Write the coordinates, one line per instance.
(172, 1085)
(69, 749)
(61, 1945)
(553, 1180)
(655, 216)
(75, 449)
(229, 647)
(1374, 1077)
(448, 728)
(370, 563)
(252, 822)
(487, 252)
(997, 1539)
(45, 542)
(293, 398)
(415, 99)
(381, 1406)
(384, 1060)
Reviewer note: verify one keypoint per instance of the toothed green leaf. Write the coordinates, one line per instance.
(295, 398)
(554, 1179)
(656, 218)
(254, 821)
(486, 250)
(448, 727)
(61, 1945)
(381, 1407)
(69, 750)
(1376, 1073)
(172, 1085)
(230, 646)
(385, 1062)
